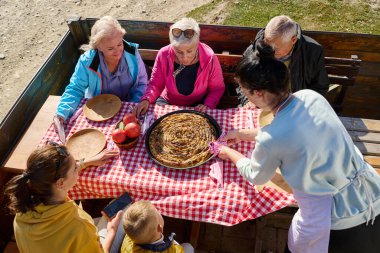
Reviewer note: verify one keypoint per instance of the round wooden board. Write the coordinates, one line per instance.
(102, 107)
(86, 143)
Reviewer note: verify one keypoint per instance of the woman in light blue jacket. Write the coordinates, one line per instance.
(110, 65)
(338, 193)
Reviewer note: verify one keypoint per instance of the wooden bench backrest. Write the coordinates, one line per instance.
(341, 71)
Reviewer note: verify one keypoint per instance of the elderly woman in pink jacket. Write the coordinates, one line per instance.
(185, 73)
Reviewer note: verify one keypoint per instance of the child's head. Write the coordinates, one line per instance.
(143, 223)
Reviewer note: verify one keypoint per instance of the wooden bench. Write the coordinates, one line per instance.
(341, 72)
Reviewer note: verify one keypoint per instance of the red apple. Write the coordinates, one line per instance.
(118, 135)
(128, 118)
(132, 130)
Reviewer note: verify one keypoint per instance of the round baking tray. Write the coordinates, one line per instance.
(212, 121)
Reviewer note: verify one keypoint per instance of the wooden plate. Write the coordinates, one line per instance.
(102, 107)
(265, 118)
(86, 143)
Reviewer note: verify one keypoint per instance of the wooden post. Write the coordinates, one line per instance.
(76, 29)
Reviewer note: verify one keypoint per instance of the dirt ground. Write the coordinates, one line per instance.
(30, 29)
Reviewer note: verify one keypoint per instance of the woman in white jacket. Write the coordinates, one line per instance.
(338, 193)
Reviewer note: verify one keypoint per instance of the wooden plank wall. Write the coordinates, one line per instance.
(362, 99)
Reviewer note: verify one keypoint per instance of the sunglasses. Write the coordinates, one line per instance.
(188, 33)
(63, 154)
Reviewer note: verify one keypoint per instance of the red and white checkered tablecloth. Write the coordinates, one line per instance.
(186, 194)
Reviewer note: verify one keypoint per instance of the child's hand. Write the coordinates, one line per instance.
(114, 222)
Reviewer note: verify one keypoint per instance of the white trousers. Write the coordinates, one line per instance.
(310, 229)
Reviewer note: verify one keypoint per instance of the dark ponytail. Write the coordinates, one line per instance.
(259, 70)
(44, 167)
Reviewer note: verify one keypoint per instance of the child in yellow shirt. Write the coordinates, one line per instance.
(144, 227)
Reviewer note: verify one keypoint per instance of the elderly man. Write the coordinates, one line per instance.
(303, 55)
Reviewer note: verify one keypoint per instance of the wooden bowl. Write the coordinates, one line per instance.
(128, 143)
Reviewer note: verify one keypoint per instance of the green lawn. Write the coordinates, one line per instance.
(356, 16)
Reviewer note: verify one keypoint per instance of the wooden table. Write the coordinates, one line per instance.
(364, 132)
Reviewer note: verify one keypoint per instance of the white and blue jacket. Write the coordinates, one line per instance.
(316, 156)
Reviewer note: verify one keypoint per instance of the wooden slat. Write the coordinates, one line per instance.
(367, 81)
(357, 124)
(341, 80)
(346, 41)
(367, 148)
(148, 54)
(342, 70)
(373, 160)
(364, 56)
(353, 61)
(365, 136)
(229, 78)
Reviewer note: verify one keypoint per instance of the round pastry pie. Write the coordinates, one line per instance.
(182, 140)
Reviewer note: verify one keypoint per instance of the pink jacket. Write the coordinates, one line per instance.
(209, 83)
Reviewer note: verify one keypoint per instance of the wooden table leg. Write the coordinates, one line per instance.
(260, 226)
(194, 233)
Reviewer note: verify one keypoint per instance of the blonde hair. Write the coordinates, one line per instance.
(140, 221)
(106, 27)
(281, 27)
(183, 24)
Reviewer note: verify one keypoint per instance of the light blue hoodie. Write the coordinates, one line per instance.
(317, 156)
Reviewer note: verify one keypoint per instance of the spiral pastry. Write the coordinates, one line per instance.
(181, 140)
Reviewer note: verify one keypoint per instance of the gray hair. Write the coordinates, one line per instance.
(183, 24)
(281, 27)
(106, 27)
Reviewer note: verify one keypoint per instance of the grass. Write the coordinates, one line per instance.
(324, 15)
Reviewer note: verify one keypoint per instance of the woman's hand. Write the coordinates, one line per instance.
(59, 128)
(227, 153)
(232, 137)
(101, 158)
(140, 108)
(223, 154)
(201, 108)
(236, 136)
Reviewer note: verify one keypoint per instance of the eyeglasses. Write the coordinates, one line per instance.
(188, 33)
(63, 154)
